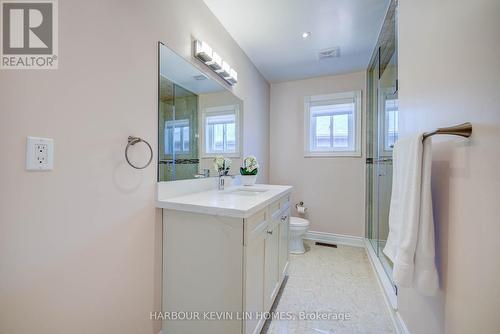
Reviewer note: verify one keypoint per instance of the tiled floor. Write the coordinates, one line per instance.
(334, 282)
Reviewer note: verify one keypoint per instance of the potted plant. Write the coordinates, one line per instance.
(222, 165)
(249, 171)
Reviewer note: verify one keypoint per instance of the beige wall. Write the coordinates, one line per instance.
(332, 188)
(80, 247)
(449, 71)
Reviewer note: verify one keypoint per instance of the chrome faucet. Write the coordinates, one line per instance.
(221, 182)
(204, 174)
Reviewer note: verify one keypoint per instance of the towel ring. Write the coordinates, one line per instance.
(132, 141)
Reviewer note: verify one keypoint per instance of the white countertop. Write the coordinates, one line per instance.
(225, 202)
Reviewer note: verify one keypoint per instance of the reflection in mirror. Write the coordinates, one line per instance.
(389, 106)
(198, 119)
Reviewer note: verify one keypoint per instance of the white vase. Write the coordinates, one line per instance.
(248, 180)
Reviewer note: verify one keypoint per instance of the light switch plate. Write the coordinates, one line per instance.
(39, 154)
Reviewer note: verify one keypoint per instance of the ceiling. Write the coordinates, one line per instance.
(269, 31)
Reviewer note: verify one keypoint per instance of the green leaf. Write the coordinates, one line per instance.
(243, 171)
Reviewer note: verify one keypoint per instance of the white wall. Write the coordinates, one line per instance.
(332, 188)
(449, 71)
(80, 247)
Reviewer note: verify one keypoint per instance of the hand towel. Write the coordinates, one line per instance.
(410, 244)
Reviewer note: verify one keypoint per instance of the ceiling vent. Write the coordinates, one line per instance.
(329, 53)
(200, 77)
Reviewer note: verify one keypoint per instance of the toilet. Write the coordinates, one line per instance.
(298, 228)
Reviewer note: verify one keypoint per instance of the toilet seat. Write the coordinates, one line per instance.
(299, 222)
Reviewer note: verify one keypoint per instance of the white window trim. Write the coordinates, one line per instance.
(357, 95)
(218, 109)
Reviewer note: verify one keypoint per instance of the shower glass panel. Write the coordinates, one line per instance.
(178, 132)
(382, 133)
(387, 136)
(371, 170)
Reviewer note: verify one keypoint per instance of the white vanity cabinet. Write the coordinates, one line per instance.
(230, 266)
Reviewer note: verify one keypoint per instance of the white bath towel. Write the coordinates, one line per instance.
(410, 244)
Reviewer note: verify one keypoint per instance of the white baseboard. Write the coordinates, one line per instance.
(338, 239)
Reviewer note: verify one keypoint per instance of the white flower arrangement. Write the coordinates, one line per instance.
(222, 165)
(250, 166)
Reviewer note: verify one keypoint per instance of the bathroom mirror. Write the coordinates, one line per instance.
(198, 119)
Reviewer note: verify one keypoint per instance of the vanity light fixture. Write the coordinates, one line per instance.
(233, 77)
(224, 71)
(216, 63)
(204, 52)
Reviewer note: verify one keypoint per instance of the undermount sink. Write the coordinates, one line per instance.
(247, 191)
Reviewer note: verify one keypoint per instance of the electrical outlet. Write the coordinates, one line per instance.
(39, 153)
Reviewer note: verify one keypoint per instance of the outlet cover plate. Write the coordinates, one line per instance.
(39, 154)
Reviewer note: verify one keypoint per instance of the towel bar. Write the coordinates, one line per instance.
(132, 141)
(463, 130)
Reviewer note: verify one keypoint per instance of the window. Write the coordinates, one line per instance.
(333, 125)
(221, 131)
(390, 122)
(177, 136)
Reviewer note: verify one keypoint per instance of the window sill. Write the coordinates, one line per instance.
(332, 154)
(225, 155)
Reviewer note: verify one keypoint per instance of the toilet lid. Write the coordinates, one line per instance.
(296, 221)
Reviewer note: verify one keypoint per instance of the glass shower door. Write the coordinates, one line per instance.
(178, 132)
(382, 133)
(384, 181)
(387, 136)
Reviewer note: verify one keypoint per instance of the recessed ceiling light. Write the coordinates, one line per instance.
(306, 34)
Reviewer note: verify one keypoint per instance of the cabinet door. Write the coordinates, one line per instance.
(283, 243)
(271, 281)
(254, 281)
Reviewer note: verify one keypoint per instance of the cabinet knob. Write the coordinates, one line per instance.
(269, 232)
(283, 218)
